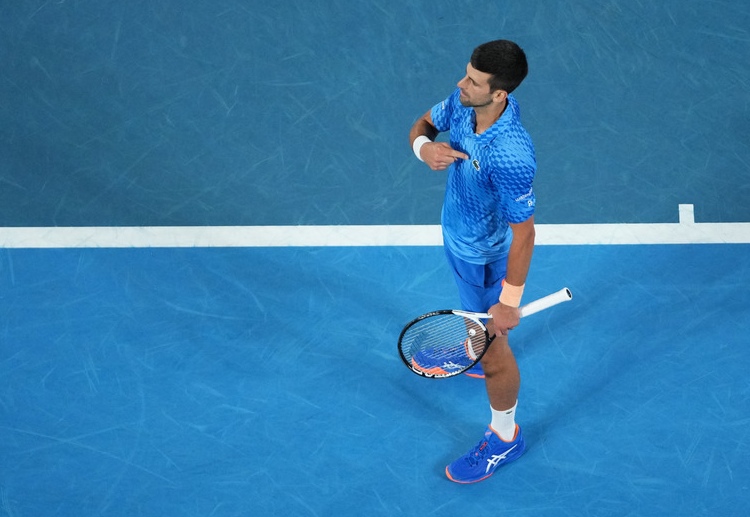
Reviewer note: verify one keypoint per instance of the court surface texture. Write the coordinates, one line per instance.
(212, 229)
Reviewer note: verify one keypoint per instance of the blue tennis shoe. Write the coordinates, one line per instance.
(489, 454)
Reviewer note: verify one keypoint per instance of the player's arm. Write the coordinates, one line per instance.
(505, 317)
(521, 250)
(437, 155)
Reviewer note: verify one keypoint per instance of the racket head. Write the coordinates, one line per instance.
(443, 343)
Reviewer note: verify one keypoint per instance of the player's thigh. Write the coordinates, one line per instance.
(479, 285)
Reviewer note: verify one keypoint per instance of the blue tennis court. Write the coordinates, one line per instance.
(254, 379)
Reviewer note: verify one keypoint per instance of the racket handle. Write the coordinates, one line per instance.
(563, 295)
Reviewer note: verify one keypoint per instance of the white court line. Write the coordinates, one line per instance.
(687, 214)
(684, 232)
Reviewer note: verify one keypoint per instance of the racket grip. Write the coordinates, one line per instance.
(563, 295)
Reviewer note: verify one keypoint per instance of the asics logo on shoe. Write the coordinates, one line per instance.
(497, 458)
(451, 366)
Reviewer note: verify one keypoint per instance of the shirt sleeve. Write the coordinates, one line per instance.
(519, 209)
(442, 113)
(515, 180)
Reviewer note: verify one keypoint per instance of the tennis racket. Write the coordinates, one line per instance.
(446, 343)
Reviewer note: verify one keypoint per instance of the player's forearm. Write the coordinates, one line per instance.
(422, 127)
(521, 250)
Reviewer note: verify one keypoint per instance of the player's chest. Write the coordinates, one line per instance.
(480, 162)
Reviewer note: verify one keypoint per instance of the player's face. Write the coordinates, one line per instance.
(475, 88)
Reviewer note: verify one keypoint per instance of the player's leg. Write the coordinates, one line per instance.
(502, 441)
(502, 377)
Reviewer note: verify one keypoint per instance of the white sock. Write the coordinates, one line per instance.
(504, 423)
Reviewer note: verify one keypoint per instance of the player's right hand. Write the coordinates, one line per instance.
(440, 155)
(504, 318)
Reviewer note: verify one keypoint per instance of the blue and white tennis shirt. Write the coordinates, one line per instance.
(490, 189)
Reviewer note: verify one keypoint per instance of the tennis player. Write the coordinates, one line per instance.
(488, 226)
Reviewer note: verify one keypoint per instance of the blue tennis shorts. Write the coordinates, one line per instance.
(479, 285)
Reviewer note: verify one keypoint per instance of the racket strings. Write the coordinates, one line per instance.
(443, 344)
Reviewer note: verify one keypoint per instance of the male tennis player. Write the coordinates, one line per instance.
(488, 226)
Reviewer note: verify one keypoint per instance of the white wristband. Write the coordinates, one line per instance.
(418, 143)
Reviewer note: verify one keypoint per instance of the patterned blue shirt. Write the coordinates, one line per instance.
(490, 189)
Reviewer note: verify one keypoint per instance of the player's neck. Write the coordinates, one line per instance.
(488, 115)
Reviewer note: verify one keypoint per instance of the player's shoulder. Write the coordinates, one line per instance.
(512, 147)
(450, 113)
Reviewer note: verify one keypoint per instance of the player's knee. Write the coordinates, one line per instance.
(498, 359)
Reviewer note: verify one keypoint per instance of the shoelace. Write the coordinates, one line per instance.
(478, 453)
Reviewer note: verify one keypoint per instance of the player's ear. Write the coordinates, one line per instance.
(499, 96)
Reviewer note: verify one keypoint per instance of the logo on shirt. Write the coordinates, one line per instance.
(526, 196)
(475, 163)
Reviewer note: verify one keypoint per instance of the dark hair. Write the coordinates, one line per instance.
(504, 60)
